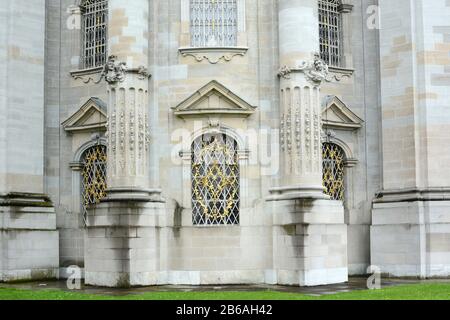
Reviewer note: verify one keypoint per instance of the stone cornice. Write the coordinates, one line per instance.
(17, 199)
(88, 75)
(345, 8)
(411, 195)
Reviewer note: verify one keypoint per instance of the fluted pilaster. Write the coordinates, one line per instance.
(128, 90)
(301, 74)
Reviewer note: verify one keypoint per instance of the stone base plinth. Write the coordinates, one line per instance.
(122, 243)
(29, 241)
(310, 242)
(411, 239)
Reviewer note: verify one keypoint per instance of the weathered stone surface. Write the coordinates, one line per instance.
(395, 79)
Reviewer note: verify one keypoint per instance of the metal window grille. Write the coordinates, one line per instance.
(330, 32)
(333, 171)
(213, 23)
(215, 180)
(95, 26)
(93, 177)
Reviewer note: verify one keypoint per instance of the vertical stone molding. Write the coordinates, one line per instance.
(305, 220)
(411, 215)
(301, 74)
(29, 240)
(128, 125)
(123, 229)
(127, 76)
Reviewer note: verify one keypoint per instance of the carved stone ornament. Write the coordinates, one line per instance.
(213, 55)
(115, 71)
(315, 71)
(226, 57)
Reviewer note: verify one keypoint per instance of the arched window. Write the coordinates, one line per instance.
(214, 23)
(93, 176)
(333, 171)
(215, 180)
(330, 28)
(95, 26)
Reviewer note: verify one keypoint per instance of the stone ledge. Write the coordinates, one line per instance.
(213, 54)
(17, 199)
(88, 75)
(298, 193)
(412, 195)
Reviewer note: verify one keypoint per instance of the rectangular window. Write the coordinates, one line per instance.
(215, 180)
(213, 23)
(330, 32)
(95, 24)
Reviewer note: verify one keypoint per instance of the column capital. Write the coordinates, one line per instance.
(315, 70)
(115, 71)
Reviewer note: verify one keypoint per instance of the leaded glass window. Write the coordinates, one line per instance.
(95, 25)
(215, 180)
(333, 171)
(93, 176)
(330, 29)
(213, 23)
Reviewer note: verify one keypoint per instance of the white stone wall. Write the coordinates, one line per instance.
(29, 244)
(22, 96)
(411, 239)
(410, 221)
(29, 240)
(174, 78)
(310, 243)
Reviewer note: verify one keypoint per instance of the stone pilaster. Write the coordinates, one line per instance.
(28, 236)
(310, 236)
(301, 73)
(411, 215)
(122, 238)
(126, 73)
(128, 126)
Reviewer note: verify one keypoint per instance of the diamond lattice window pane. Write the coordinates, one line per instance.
(333, 171)
(93, 177)
(215, 180)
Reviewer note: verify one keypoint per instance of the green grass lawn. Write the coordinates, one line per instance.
(432, 291)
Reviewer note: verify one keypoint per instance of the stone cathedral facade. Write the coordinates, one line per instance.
(197, 142)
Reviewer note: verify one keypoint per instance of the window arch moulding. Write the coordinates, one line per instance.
(336, 116)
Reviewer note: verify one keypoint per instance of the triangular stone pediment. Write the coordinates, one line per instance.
(337, 115)
(214, 98)
(91, 116)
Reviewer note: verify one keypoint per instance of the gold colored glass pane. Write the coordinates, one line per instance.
(333, 171)
(93, 175)
(215, 180)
